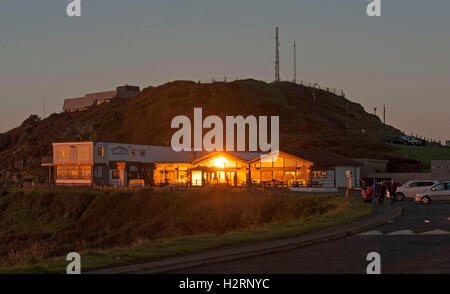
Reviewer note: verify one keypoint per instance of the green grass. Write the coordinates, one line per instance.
(349, 209)
(424, 154)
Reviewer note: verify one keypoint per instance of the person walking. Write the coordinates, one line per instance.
(381, 193)
(392, 191)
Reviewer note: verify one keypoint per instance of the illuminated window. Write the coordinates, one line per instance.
(278, 162)
(196, 178)
(116, 174)
(289, 162)
(133, 152)
(74, 172)
(219, 162)
(319, 174)
(266, 163)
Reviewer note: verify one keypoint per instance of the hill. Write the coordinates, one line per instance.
(305, 122)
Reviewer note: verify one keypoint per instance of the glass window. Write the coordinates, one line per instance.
(116, 174)
(142, 153)
(278, 175)
(266, 176)
(278, 162)
(101, 151)
(289, 162)
(73, 172)
(220, 162)
(98, 172)
(319, 174)
(133, 152)
(425, 184)
(63, 154)
(83, 153)
(439, 187)
(266, 163)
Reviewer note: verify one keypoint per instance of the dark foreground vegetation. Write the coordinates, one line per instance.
(37, 229)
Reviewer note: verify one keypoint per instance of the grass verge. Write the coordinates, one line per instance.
(348, 210)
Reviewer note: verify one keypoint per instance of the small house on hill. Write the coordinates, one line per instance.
(89, 100)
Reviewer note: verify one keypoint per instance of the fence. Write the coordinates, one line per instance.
(315, 85)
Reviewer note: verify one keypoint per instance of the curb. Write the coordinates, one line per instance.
(180, 263)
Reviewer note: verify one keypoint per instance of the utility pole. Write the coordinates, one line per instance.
(44, 103)
(384, 121)
(295, 64)
(314, 93)
(346, 115)
(277, 56)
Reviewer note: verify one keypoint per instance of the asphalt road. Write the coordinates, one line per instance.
(417, 242)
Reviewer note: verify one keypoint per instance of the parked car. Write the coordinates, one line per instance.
(438, 192)
(411, 188)
(369, 191)
(415, 141)
(406, 140)
(399, 140)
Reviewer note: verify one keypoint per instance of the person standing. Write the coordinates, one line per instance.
(363, 189)
(392, 191)
(381, 193)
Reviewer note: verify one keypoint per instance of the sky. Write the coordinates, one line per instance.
(401, 58)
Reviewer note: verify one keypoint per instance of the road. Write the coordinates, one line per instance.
(418, 242)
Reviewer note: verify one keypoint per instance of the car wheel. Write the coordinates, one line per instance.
(399, 196)
(426, 200)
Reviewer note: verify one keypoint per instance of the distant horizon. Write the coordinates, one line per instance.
(400, 58)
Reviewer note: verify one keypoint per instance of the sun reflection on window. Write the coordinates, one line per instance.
(219, 162)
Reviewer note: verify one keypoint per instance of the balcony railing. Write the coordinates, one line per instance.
(47, 160)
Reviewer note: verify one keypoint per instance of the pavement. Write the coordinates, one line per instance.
(416, 243)
(228, 259)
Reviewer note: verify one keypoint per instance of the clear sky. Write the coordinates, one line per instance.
(401, 58)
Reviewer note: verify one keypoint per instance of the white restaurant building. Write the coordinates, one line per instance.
(118, 164)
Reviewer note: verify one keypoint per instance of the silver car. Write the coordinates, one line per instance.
(438, 192)
(411, 188)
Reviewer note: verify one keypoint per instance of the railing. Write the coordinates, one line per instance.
(314, 85)
(47, 159)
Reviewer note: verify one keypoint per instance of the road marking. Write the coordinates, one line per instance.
(435, 232)
(371, 233)
(402, 232)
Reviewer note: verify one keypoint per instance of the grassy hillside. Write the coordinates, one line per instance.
(146, 120)
(424, 154)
